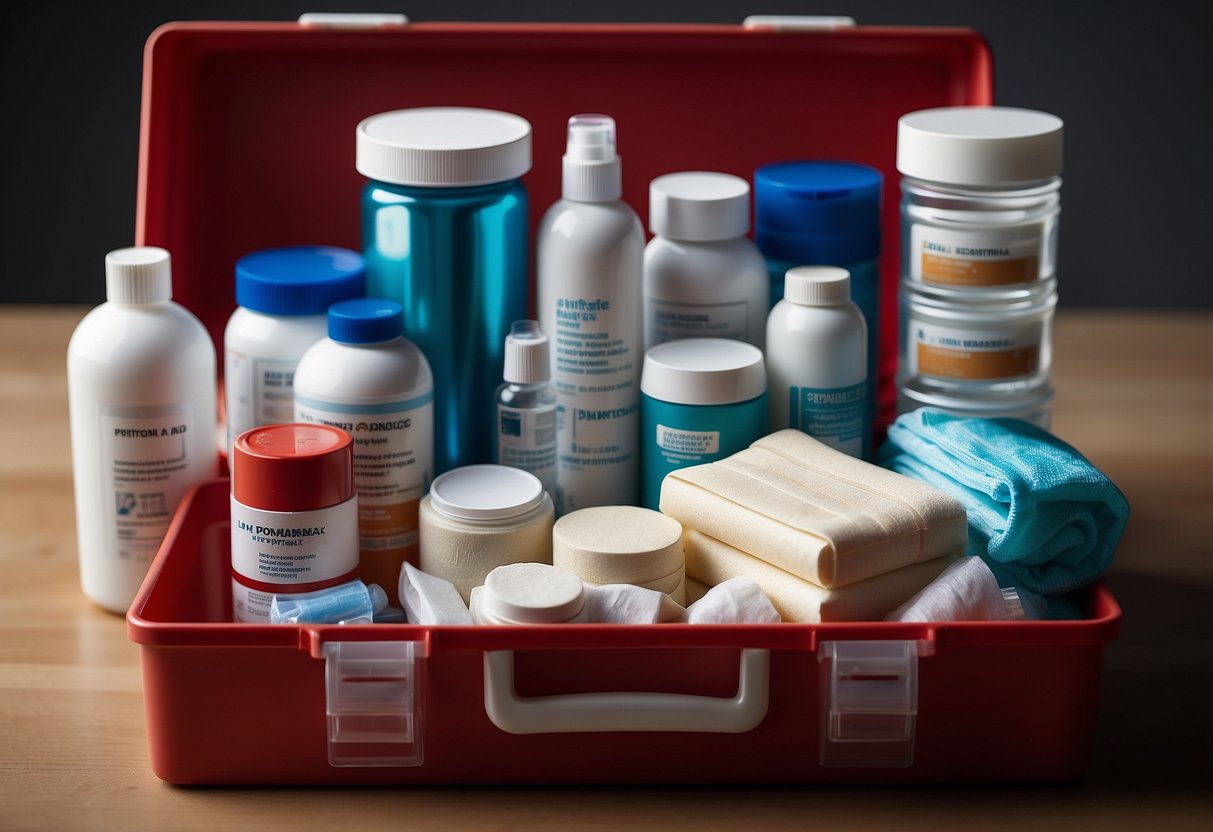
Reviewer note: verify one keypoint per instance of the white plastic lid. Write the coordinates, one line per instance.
(592, 169)
(138, 275)
(485, 492)
(704, 371)
(436, 147)
(817, 286)
(697, 206)
(532, 593)
(984, 146)
(526, 354)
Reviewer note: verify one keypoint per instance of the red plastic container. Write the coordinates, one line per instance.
(247, 143)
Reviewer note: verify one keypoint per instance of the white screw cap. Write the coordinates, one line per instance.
(698, 206)
(817, 286)
(593, 171)
(982, 146)
(703, 371)
(526, 354)
(139, 275)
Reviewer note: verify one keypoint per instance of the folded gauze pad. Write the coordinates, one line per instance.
(713, 562)
(817, 513)
(620, 545)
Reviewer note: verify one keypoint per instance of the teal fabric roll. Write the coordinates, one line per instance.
(1034, 504)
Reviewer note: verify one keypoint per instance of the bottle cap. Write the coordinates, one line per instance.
(980, 146)
(532, 593)
(304, 280)
(138, 275)
(486, 492)
(704, 371)
(443, 147)
(592, 169)
(697, 206)
(817, 212)
(293, 467)
(526, 354)
(817, 286)
(365, 321)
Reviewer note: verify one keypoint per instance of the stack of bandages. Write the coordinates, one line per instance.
(825, 536)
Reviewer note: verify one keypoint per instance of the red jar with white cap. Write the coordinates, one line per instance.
(294, 514)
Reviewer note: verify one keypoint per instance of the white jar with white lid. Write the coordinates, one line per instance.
(980, 201)
(479, 517)
(703, 278)
(530, 593)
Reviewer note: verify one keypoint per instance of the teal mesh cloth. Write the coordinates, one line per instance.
(1035, 504)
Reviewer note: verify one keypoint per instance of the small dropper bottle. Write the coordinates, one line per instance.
(526, 406)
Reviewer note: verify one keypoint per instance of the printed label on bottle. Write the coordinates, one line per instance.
(526, 439)
(259, 392)
(975, 257)
(147, 470)
(393, 463)
(669, 321)
(596, 377)
(684, 446)
(835, 416)
(996, 353)
(302, 547)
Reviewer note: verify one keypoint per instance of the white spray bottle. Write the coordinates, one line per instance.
(590, 258)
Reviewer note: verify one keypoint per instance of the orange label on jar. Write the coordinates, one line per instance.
(947, 362)
(960, 271)
(391, 526)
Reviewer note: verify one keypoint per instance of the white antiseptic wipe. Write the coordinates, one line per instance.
(965, 591)
(736, 601)
(628, 604)
(428, 599)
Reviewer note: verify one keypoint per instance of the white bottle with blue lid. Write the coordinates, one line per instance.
(369, 380)
(817, 363)
(703, 399)
(283, 296)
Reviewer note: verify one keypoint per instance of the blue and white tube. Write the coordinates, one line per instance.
(350, 603)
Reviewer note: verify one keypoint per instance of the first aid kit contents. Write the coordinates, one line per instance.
(817, 367)
(622, 545)
(703, 278)
(294, 515)
(966, 591)
(351, 603)
(479, 517)
(370, 381)
(141, 396)
(444, 228)
(703, 399)
(282, 296)
(590, 249)
(526, 405)
(530, 593)
(1033, 405)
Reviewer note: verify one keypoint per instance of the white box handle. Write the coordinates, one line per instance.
(617, 711)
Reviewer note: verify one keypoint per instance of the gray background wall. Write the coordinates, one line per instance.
(1133, 81)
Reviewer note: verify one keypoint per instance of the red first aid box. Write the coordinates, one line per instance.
(247, 142)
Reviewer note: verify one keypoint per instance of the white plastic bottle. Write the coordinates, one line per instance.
(590, 257)
(703, 278)
(817, 360)
(369, 380)
(526, 406)
(141, 390)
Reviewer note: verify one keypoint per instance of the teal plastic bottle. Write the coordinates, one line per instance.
(444, 225)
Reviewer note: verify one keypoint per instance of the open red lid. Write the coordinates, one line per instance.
(292, 467)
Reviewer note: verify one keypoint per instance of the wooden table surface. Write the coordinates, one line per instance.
(1134, 393)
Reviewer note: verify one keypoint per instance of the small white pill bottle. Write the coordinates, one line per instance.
(525, 435)
(283, 296)
(294, 515)
(369, 380)
(141, 393)
(703, 278)
(817, 343)
(980, 201)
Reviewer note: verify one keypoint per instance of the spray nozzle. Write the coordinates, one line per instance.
(591, 138)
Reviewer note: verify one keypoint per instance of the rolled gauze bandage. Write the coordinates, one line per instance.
(620, 545)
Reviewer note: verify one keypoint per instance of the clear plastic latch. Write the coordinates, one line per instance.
(373, 702)
(870, 702)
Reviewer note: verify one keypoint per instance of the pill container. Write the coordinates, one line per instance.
(479, 517)
(282, 296)
(1033, 405)
(980, 200)
(531, 593)
(444, 229)
(294, 515)
(622, 545)
(702, 399)
(952, 345)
